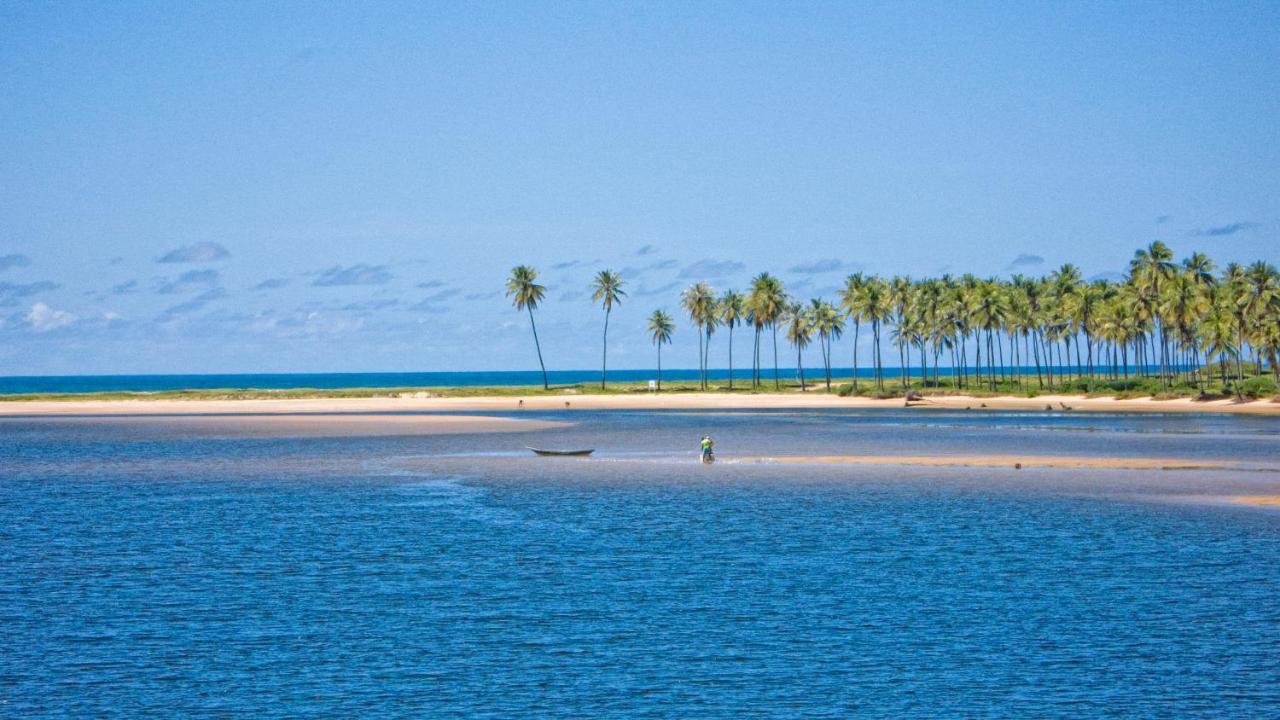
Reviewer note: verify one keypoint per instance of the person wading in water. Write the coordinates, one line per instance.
(707, 449)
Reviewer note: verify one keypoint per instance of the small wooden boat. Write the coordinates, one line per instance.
(561, 453)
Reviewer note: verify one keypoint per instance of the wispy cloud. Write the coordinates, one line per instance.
(1229, 229)
(632, 272)
(482, 295)
(441, 295)
(196, 303)
(198, 253)
(43, 318)
(566, 264)
(1026, 260)
(572, 296)
(14, 260)
(646, 250)
(358, 274)
(817, 267)
(188, 281)
(271, 284)
(1162, 219)
(643, 291)
(431, 284)
(707, 269)
(125, 288)
(11, 293)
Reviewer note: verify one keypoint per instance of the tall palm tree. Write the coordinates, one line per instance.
(850, 304)
(526, 294)
(874, 306)
(799, 333)
(699, 301)
(829, 324)
(1148, 269)
(732, 311)
(661, 327)
(606, 289)
(768, 301)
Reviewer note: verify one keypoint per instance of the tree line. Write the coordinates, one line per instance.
(1176, 322)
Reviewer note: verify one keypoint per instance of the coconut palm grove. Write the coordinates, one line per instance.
(1168, 328)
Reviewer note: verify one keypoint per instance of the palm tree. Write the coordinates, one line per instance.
(850, 304)
(873, 306)
(899, 299)
(732, 311)
(1148, 269)
(699, 301)
(661, 326)
(799, 333)
(525, 294)
(768, 302)
(829, 324)
(607, 290)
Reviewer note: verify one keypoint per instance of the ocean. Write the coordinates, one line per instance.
(17, 384)
(156, 569)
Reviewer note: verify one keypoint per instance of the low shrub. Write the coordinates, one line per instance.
(1258, 387)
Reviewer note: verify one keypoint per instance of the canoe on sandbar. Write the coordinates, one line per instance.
(561, 453)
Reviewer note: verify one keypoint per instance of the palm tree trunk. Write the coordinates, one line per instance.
(755, 359)
(875, 332)
(706, 361)
(902, 362)
(775, 357)
(702, 384)
(604, 356)
(538, 346)
(855, 357)
(1036, 347)
(730, 358)
(659, 366)
(800, 367)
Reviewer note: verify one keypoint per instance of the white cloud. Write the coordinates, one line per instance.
(43, 318)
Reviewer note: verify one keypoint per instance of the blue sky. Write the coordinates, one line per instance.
(244, 187)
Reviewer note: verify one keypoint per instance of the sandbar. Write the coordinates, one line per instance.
(568, 402)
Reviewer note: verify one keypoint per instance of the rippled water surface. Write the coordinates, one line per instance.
(151, 570)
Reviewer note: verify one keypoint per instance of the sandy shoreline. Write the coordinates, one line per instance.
(637, 401)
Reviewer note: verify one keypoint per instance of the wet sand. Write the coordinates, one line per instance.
(417, 402)
(1258, 500)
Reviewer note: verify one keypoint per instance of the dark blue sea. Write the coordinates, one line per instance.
(17, 384)
(205, 567)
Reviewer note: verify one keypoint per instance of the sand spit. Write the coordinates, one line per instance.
(312, 425)
(630, 401)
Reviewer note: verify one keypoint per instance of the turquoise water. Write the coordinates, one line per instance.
(152, 569)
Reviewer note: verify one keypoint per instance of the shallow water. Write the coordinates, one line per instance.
(146, 570)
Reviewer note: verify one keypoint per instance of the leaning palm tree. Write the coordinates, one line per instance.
(606, 289)
(661, 326)
(526, 294)
(732, 311)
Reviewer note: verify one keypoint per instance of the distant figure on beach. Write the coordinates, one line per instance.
(708, 446)
(520, 404)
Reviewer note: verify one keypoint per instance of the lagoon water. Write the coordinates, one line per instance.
(150, 569)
